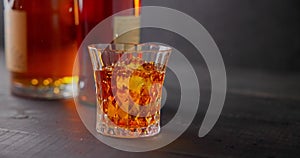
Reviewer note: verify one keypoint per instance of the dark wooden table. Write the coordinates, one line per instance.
(261, 118)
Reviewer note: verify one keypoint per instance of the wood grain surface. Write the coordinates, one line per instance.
(261, 118)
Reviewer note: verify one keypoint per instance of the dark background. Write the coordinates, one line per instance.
(259, 34)
(259, 41)
(1, 25)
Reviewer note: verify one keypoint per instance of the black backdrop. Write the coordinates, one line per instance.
(259, 34)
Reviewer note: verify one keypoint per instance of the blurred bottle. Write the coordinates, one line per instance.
(41, 45)
(91, 14)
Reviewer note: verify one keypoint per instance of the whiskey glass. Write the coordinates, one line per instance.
(129, 80)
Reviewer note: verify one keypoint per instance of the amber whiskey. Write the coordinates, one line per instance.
(41, 46)
(130, 94)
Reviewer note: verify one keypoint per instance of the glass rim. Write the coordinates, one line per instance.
(102, 46)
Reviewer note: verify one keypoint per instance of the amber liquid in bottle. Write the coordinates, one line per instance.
(41, 47)
(93, 12)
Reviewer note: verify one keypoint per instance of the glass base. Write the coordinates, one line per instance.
(108, 128)
(63, 91)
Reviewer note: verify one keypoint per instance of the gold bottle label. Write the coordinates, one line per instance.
(15, 40)
(124, 23)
